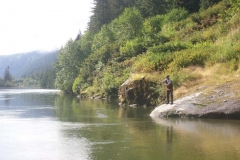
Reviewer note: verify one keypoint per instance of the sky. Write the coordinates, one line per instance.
(41, 25)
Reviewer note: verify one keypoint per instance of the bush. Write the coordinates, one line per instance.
(169, 47)
(176, 15)
(193, 56)
(77, 85)
(151, 62)
(132, 47)
(127, 26)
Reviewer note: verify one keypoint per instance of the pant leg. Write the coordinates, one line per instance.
(171, 94)
(168, 94)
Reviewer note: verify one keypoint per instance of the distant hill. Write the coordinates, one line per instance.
(27, 63)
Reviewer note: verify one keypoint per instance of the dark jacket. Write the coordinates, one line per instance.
(169, 84)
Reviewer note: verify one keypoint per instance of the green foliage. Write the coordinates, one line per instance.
(101, 60)
(7, 75)
(67, 66)
(149, 8)
(7, 80)
(150, 62)
(76, 88)
(192, 6)
(85, 44)
(102, 38)
(176, 15)
(211, 15)
(151, 31)
(48, 78)
(105, 11)
(224, 54)
(235, 5)
(29, 82)
(169, 47)
(127, 26)
(132, 47)
(2, 83)
(112, 78)
(194, 56)
(152, 25)
(205, 4)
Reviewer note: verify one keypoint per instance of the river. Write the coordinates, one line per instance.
(37, 124)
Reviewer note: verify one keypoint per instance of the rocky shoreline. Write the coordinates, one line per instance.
(192, 106)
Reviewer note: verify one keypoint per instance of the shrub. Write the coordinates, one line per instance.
(224, 54)
(193, 56)
(127, 26)
(77, 85)
(176, 15)
(132, 47)
(103, 37)
(169, 47)
(150, 62)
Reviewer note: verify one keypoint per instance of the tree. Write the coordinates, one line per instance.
(7, 75)
(66, 67)
(128, 25)
(150, 8)
(2, 82)
(68, 64)
(105, 11)
(205, 4)
(191, 6)
(47, 79)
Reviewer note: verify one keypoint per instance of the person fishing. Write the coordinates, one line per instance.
(169, 86)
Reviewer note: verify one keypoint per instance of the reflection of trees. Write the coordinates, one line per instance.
(64, 107)
(73, 109)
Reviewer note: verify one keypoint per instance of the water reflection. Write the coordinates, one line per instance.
(27, 104)
(210, 139)
(50, 126)
(169, 134)
(7, 99)
(129, 133)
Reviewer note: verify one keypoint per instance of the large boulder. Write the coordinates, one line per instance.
(198, 105)
(138, 93)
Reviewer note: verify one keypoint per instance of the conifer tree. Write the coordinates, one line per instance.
(7, 75)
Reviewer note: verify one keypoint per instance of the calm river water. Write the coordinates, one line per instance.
(42, 125)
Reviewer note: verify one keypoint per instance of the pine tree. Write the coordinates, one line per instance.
(7, 75)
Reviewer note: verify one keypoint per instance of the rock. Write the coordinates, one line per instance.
(190, 107)
(181, 106)
(140, 92)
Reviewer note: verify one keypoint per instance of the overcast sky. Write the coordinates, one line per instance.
(30, 25)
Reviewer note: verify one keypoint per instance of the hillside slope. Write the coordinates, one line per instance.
(142, 50)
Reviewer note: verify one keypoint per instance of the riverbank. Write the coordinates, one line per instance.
(214, 96)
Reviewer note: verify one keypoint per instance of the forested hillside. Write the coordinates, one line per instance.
(151, 38)
(29, 69)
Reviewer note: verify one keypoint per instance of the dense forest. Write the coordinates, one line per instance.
(151, 38)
